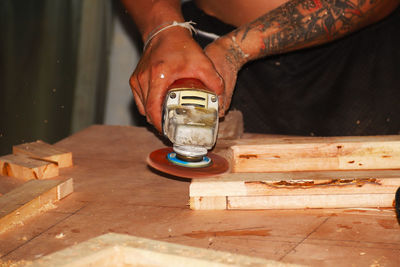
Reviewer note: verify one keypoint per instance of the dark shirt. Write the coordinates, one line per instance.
(347, 87)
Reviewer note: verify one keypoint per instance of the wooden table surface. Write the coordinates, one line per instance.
(116, 192)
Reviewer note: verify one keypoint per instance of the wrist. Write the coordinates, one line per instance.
(234, 53)
(174, 37)
(168, 26)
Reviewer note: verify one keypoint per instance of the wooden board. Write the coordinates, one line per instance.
(124, 250)
(27, 168)
(315, 154)
(117, 192)
(30, 199)
(340, 189)
(44, 151)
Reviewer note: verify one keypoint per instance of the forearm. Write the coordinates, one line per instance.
(300, 24)
(148, 15)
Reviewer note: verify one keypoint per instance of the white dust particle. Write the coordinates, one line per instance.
(60, 235)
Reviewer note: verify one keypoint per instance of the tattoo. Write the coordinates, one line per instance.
(235, 55)
(301, 23)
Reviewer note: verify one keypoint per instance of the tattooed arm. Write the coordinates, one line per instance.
(295, 25)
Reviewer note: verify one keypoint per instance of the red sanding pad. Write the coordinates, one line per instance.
(158, 160)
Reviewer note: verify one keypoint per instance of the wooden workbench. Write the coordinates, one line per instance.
(115, 191)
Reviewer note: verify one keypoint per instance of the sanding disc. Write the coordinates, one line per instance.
(204, 162)
(159, 161)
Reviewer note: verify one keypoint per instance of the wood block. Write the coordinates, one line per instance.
(316, 154)
(334, 189)
(30, 199)
(44, 151)
(231, 127)
(23, 167)
(124, 250)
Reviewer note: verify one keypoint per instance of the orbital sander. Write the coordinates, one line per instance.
(190, 122)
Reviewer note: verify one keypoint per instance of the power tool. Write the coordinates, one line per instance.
(190, 122)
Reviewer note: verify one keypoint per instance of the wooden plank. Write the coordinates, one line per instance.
(314, 154)
(124, 250)
(44, 151)
(297, 202)
(357, 186)
(311, 201)
(23, 167)
(30, 199)
(294, 187)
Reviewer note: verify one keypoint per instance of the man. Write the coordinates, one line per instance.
(285, 85)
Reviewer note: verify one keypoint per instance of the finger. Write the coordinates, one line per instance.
(139, 103)
(215, 82)
(155, 99)
(137, 93)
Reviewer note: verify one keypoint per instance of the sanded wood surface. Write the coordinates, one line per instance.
(30, 199)
(44, 151)
(116, 192)
(316, 153)
(27, 168)
(124, 250)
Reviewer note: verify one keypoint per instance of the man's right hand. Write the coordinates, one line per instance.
(171, 55)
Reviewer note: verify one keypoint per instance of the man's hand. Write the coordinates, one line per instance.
(171, 55)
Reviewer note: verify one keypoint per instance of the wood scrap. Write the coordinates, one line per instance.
(29, 199)
(23, 167)
(43, 151)
(315, 154)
